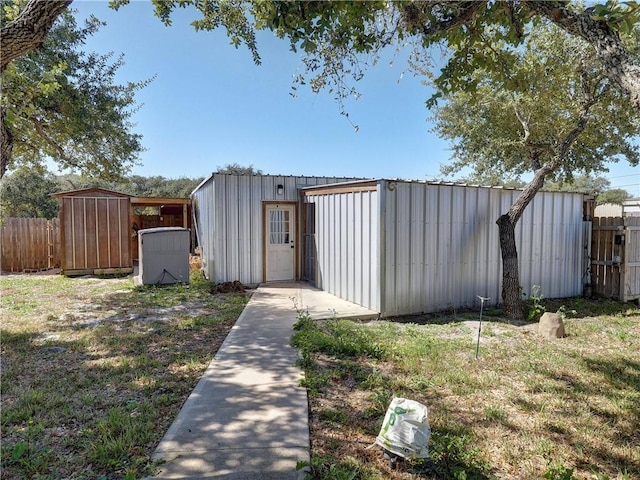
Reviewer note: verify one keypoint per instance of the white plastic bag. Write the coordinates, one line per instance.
(405, 430)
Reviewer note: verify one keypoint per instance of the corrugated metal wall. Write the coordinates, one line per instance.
(412, 248)
(228, 213)
(347, 246)
(442, 250)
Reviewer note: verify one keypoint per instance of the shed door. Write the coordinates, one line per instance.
(280, 242)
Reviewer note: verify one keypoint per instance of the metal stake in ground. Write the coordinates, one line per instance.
(482, 299)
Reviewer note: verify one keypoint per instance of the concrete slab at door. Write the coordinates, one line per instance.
(280, 236)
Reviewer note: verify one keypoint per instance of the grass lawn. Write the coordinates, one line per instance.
(95, 370)
(528, 408)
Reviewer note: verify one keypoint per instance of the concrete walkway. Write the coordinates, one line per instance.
(247, 418)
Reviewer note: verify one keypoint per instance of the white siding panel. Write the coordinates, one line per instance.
(347, 246)
(448, 233)
(358, 250)
(416, 245)
(414, 248)
(553, 225)
(373, 262)
(204, 223)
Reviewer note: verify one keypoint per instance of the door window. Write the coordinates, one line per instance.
(279, 227)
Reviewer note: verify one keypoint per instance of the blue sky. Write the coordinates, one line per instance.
(210, 105)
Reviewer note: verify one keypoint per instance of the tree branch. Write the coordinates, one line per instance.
(525, 124)
(413, 15)
(29, 29)
(618, 63)
(590, 101)
(517, 208)
(42, 132)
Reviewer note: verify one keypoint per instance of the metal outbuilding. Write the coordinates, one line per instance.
(395, 247)
(400, 247)
(234, 214)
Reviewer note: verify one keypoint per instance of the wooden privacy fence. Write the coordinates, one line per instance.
(29, 244)
(615, 257)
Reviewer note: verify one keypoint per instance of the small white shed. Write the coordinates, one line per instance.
(163, 256)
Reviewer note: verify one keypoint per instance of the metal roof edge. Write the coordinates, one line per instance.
(284, 176)
(201, 184)
(342, 184)
(160, 200)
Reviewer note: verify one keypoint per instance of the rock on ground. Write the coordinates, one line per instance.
(551, 326)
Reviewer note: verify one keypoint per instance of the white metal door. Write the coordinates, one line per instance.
(280, 242)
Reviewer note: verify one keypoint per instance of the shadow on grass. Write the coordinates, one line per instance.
(591, 307)
(16, 341)
(583, 307)
(586, 405)
(454, 455)
(101, 394)
(335, 357)
(607, 398)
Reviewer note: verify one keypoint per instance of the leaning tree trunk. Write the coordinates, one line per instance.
(510, 271)
(511, 300)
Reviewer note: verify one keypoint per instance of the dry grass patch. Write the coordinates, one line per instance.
(95, 370)
(528, 408)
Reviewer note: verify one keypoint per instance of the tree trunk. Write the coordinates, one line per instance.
(510, 271)
(6, 142)
(506, 226)
(29, 29)
(27, 32)
(621, 68)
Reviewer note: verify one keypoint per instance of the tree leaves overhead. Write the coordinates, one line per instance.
(517, 122)
(62, 103)
(620, 16)
(341, 39)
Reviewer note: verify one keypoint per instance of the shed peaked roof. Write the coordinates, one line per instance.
(135, 200)
(90, 190)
